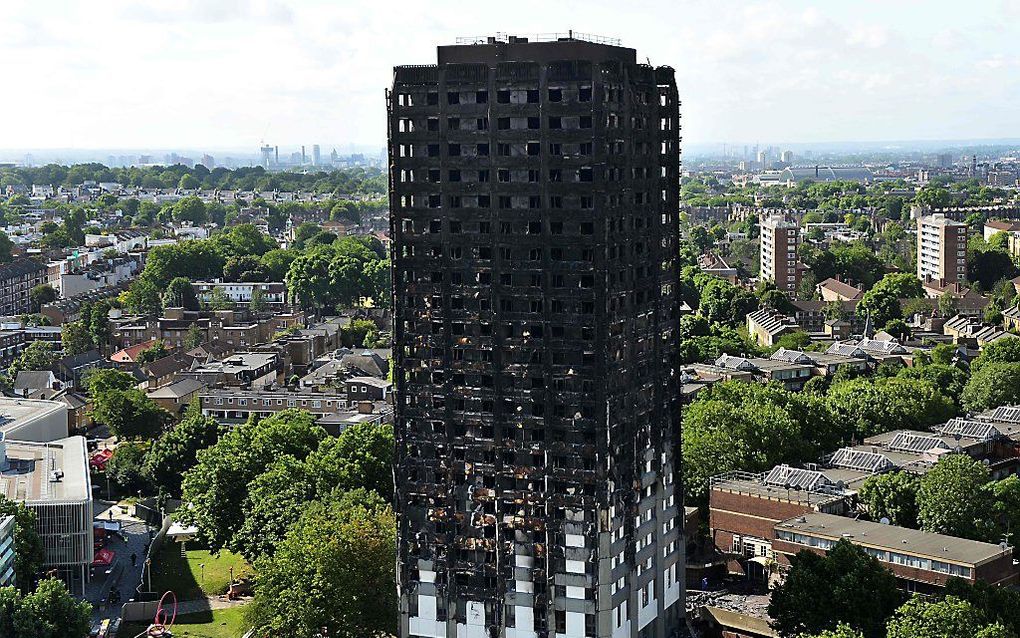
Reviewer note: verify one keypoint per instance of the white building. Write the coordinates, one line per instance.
(32, 419)
(274, 292)
(52, 479)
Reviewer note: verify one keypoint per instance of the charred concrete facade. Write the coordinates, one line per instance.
(534, 200)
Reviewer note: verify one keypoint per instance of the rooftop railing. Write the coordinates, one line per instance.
(507, 38)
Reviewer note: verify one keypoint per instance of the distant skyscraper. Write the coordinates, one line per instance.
(779, 239)
(267, 154)
(787, 157)
(941, 248)
(208, 161)
(534, 216)
(303, 160)
(316, 157)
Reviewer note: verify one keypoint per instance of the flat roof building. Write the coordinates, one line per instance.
(920, 560)
(32, 419)
(780, 238)
(52, 479)
(537, 474)
(941, 248)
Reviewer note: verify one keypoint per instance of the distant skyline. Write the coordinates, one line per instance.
(228, 74)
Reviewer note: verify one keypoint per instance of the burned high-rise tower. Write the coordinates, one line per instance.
(534, 199)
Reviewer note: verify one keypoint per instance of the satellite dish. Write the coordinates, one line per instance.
(884, 520)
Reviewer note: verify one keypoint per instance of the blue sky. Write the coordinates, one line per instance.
(221, 74)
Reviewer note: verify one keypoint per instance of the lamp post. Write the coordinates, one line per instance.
(148, 569)
(202, 565)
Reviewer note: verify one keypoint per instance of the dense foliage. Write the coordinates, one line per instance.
(856, 589)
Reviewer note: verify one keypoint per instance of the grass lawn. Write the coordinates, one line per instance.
(187, 579)
(218, 623)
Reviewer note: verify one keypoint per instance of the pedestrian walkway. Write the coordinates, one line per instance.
(134, 539)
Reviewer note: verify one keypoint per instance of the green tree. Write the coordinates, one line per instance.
(950, 617)
(276, 498)
(872, 406)
(950, 379)
(189, 209)
(998, 604)
(99, 324)
(882, 301)
(38, 355)
(125, 466)
(304, 232)
(194, 337)
(1002, 351)
(841, 631)
(176, 451)
(751, 427)
(948, 304)
(188, 182)
(361, 457)
(847, 586)
(157, 350)
(248, 268)
(217, 486)
(51, 612)
(992, 385)
(42, 295)
(951, 498)
(258, 304)
(277, 262)
(6, 249)
(28, 546)
(145, 297)
(892, 495)
(347, 547)
(75, 338)
(219, 300)
(180, 293)
(129, 413)
(98, 381)
(798, 340)
(353, 334)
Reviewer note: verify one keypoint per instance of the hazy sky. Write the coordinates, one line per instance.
(215, 74)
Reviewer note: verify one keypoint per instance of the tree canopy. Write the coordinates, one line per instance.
(751, 427)
(847, 586)
(334, 569)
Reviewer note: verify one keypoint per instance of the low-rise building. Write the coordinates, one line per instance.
(274, 293)
(833, 289)
(175, 397)
(766, 326)
(52, 479)
(240, 370)
(970, 331)
(32, 419)
(791, 376)
(744, 508)
(921, 561)
(825, 364)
